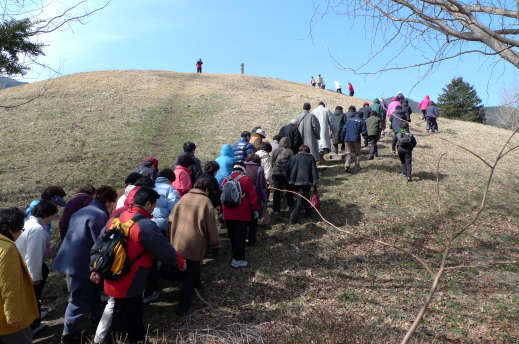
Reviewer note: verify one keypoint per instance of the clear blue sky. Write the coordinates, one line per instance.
(272, 38)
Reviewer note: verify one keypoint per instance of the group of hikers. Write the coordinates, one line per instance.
(319, 83)
(169, 219)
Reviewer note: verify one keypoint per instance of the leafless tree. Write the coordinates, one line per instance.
(437, 30)
(507, 114)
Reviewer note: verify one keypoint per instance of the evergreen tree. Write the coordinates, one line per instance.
(459, 100)
(17, 50)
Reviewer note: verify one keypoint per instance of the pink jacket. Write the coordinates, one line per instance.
(392, 106)
(424, 103)
(182, 180)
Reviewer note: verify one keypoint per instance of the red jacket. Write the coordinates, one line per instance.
(144, 236)
(248, 203)
(182, 181)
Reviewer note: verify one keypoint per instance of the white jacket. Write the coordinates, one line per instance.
(327, 122)
(32, 245)
(120, 201)
(265, 163)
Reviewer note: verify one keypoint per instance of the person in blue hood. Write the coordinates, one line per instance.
(226, 161)
(168, 198)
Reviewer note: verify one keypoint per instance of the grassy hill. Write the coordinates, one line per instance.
(307, 283)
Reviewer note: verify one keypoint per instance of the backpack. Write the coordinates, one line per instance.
(404, 140)
(112, 260)
(231, 192)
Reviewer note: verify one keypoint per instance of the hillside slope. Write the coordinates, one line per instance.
(305, 283)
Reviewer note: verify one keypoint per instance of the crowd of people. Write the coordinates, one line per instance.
(171, 217)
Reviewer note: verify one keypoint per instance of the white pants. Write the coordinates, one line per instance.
(105, 322)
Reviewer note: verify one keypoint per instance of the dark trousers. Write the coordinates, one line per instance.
(339, 91)
(84, 296)
(199, 69)
(237, 231)
(305, 191)
(336, 147)
(191, 281)
(38, 289)
(352, 93)
(253, 228)
(406, 160)
(128, 320)
(152, 281)
(280, 182)
(431, 123)
(373, 150)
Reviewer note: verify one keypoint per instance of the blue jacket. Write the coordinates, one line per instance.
(432, 111)
(84, 227)
(242, 149)
(353, 128)
(168, 198)
(225, 160)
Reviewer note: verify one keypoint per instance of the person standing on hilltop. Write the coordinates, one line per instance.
(312, 81)
(324, 85)
(327, 123)
(350, 88)
(199, 64)
(309, 128)
(319, 81)
(338, 87)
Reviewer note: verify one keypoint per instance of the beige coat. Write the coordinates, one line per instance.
(18, 301)
(192, 224)
(256, 141)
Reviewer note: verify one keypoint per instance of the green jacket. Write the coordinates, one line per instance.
(374, 125)
(377, 107)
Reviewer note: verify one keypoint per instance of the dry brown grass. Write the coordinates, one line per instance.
(306, 283)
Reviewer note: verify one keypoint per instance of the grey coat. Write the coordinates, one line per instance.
(309, 128)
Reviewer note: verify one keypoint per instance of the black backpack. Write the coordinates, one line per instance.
(231, 191)
(404, 140)
(112, 260)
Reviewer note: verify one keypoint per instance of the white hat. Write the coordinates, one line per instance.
(261, 132)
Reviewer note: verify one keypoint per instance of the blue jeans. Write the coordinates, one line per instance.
(84, 296)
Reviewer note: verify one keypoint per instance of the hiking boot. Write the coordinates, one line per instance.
(347, 169)
(151, 297)
(238, 263)
(71, 338)
(371, 157)
(409, 179)
(405, 175)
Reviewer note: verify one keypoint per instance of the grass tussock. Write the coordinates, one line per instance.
(306, 283)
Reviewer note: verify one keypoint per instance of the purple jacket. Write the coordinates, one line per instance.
(77, 202)
(257, 176)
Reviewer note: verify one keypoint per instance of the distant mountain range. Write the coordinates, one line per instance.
(7, 82)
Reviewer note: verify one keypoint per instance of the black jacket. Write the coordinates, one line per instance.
(301, 170)
(293, 136)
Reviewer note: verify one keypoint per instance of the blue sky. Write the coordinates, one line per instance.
(272, 38)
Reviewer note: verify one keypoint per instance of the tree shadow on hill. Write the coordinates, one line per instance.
(424, 175)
